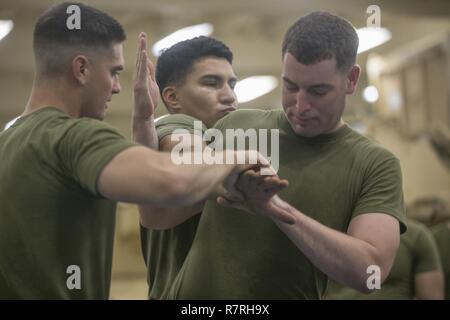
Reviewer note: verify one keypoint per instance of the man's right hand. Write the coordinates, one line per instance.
(145, 88)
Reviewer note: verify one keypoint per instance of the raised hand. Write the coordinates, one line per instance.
(146, 91)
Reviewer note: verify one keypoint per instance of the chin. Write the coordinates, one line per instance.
(307, 132)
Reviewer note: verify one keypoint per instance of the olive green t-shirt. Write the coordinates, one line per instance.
(164, 251)
(417, 253)
(332, 178)
(54, 224)
(441, 233)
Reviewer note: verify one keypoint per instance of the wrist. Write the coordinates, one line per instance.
(143, 118)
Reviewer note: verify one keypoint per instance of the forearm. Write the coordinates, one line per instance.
(142, 176)
(144, 131)
(342, 257)
(204, 181)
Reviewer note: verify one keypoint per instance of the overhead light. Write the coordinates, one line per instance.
(372, 37)
(253, 87)
(370, 94)
(204, 29)
(5, 27)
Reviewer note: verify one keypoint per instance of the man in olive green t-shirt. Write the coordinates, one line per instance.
(62, 170)
(196, 81)
(345, 191)
(416, 273)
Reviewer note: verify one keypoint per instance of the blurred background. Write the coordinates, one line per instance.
(402, 101)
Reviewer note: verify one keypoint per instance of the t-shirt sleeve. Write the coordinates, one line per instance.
(382, 191)
(167, 125)
(426, 255)
(86, 147)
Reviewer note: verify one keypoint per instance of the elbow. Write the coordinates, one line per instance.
(371, 279)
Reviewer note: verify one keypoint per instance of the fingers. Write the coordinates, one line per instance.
(143, 70)
(151, 70)
(232, 193)
(141, 58)
(223, 201)
(274, 190)
(254, 180)
(233, 196)
(141, 45)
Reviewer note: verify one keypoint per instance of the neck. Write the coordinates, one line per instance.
(55, 93)
(338, 125)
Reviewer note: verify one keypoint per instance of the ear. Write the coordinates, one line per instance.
(170, 98)
(352, 79)
(80, 69)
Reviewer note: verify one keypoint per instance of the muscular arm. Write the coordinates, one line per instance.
(140, 175)
(371, 239)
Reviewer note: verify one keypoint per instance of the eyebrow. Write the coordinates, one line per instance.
(217, 77)
(320, 86)
(288, 81)
(314, 86)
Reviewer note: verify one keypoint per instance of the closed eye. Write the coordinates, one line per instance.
(319, 90)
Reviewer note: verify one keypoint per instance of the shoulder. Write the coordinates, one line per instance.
(87, 129)
(166, 125)
(247, 118)
(370, 151)
(178, 118)
(56, 126)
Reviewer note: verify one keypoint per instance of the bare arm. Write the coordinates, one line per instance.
(371, 239)
(146, 95)
(429, 285)
(140, 175)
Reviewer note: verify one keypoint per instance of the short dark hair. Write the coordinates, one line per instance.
(53, 41)
(175, 63)
(319, 36)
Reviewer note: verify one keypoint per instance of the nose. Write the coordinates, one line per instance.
(227, 96)
(302, 104)
(116, 86)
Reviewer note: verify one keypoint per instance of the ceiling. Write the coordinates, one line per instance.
(252, 28)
